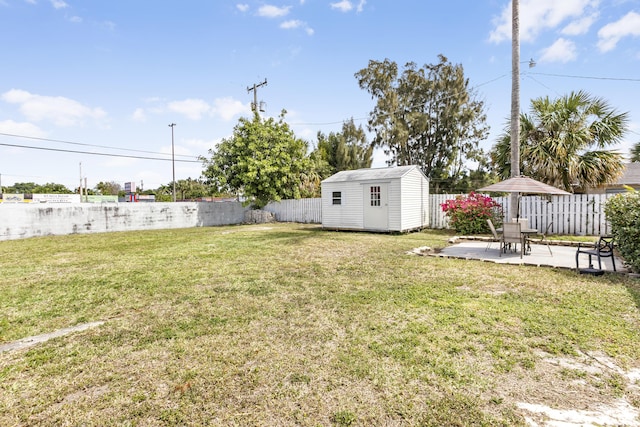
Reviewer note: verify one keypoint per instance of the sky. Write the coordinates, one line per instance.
(88, 89)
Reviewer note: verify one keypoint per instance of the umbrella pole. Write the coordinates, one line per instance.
(513, 206)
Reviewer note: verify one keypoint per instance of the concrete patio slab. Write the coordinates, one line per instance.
(561, 256)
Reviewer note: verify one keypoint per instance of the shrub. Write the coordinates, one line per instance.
(623, 213)
(469, 214)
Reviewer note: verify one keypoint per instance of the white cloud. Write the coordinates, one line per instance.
(242, 7)
(580, 26)
(360, 7)
(294, 24)
(75, 19)
(227, 108)
(611, 34)
(119, 162)
(22, 129)
(270, 11)
(193, 109)
(59, 110)
(108, 25)
(178, 149)
(139, 115)
(561, 51)
(540, 15)
(201, 145)
(342, 6)
(59, 4)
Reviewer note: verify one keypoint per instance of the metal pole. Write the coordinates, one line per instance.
(80, 187)
(173, 162)
(254, 106)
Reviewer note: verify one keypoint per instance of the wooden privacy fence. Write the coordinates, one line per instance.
(578, 214)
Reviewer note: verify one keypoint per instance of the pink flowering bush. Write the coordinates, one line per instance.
(469, 214)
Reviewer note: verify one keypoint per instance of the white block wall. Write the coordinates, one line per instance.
(22, 220)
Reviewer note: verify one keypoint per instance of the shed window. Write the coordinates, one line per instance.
(375, 195)
(337, 198)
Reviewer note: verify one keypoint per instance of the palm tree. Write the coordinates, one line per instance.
(564, 142)
(514, 130)
(635, 153)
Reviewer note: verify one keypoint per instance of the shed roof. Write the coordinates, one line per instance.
(371, 174)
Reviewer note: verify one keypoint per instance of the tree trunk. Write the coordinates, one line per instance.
(515, 102)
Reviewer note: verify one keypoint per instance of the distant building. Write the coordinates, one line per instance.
(129, 187)
(630, 177)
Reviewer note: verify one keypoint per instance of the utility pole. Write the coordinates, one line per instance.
(80, 187)
(173, 162)
(254, 88)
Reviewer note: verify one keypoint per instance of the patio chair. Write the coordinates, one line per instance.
(524, 222)
(543, 237)
(511, 234)
(495, 238)
(603, 248)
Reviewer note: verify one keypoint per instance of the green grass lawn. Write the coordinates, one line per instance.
(287, 324)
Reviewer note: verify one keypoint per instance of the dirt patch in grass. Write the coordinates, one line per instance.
(37, 339)
(587, 389)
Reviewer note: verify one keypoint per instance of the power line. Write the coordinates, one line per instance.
(95, 154)
(88, 145)
(543, 85)
(587, 77)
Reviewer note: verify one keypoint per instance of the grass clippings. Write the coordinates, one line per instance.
(292, 325)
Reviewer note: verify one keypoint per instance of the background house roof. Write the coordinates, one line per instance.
(371, 174)
(631, 175)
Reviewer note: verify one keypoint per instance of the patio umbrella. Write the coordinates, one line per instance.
(524, 185)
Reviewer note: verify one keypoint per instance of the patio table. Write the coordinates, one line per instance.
(526, 232)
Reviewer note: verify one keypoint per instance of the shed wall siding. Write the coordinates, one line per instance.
(395, 205)
(347, 215)
(415, 198)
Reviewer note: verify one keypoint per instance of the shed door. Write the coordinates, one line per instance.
(376, 206)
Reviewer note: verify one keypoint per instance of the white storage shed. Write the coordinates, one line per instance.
(383, 199)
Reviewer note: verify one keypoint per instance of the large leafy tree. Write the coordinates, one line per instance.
(32, 187)
(262, 161)
(191, 189)
(345, 150)
(108, 188)
(564, 142)
(427, 116)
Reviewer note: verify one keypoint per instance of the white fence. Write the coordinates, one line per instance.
(299, 210)
(579, 214)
